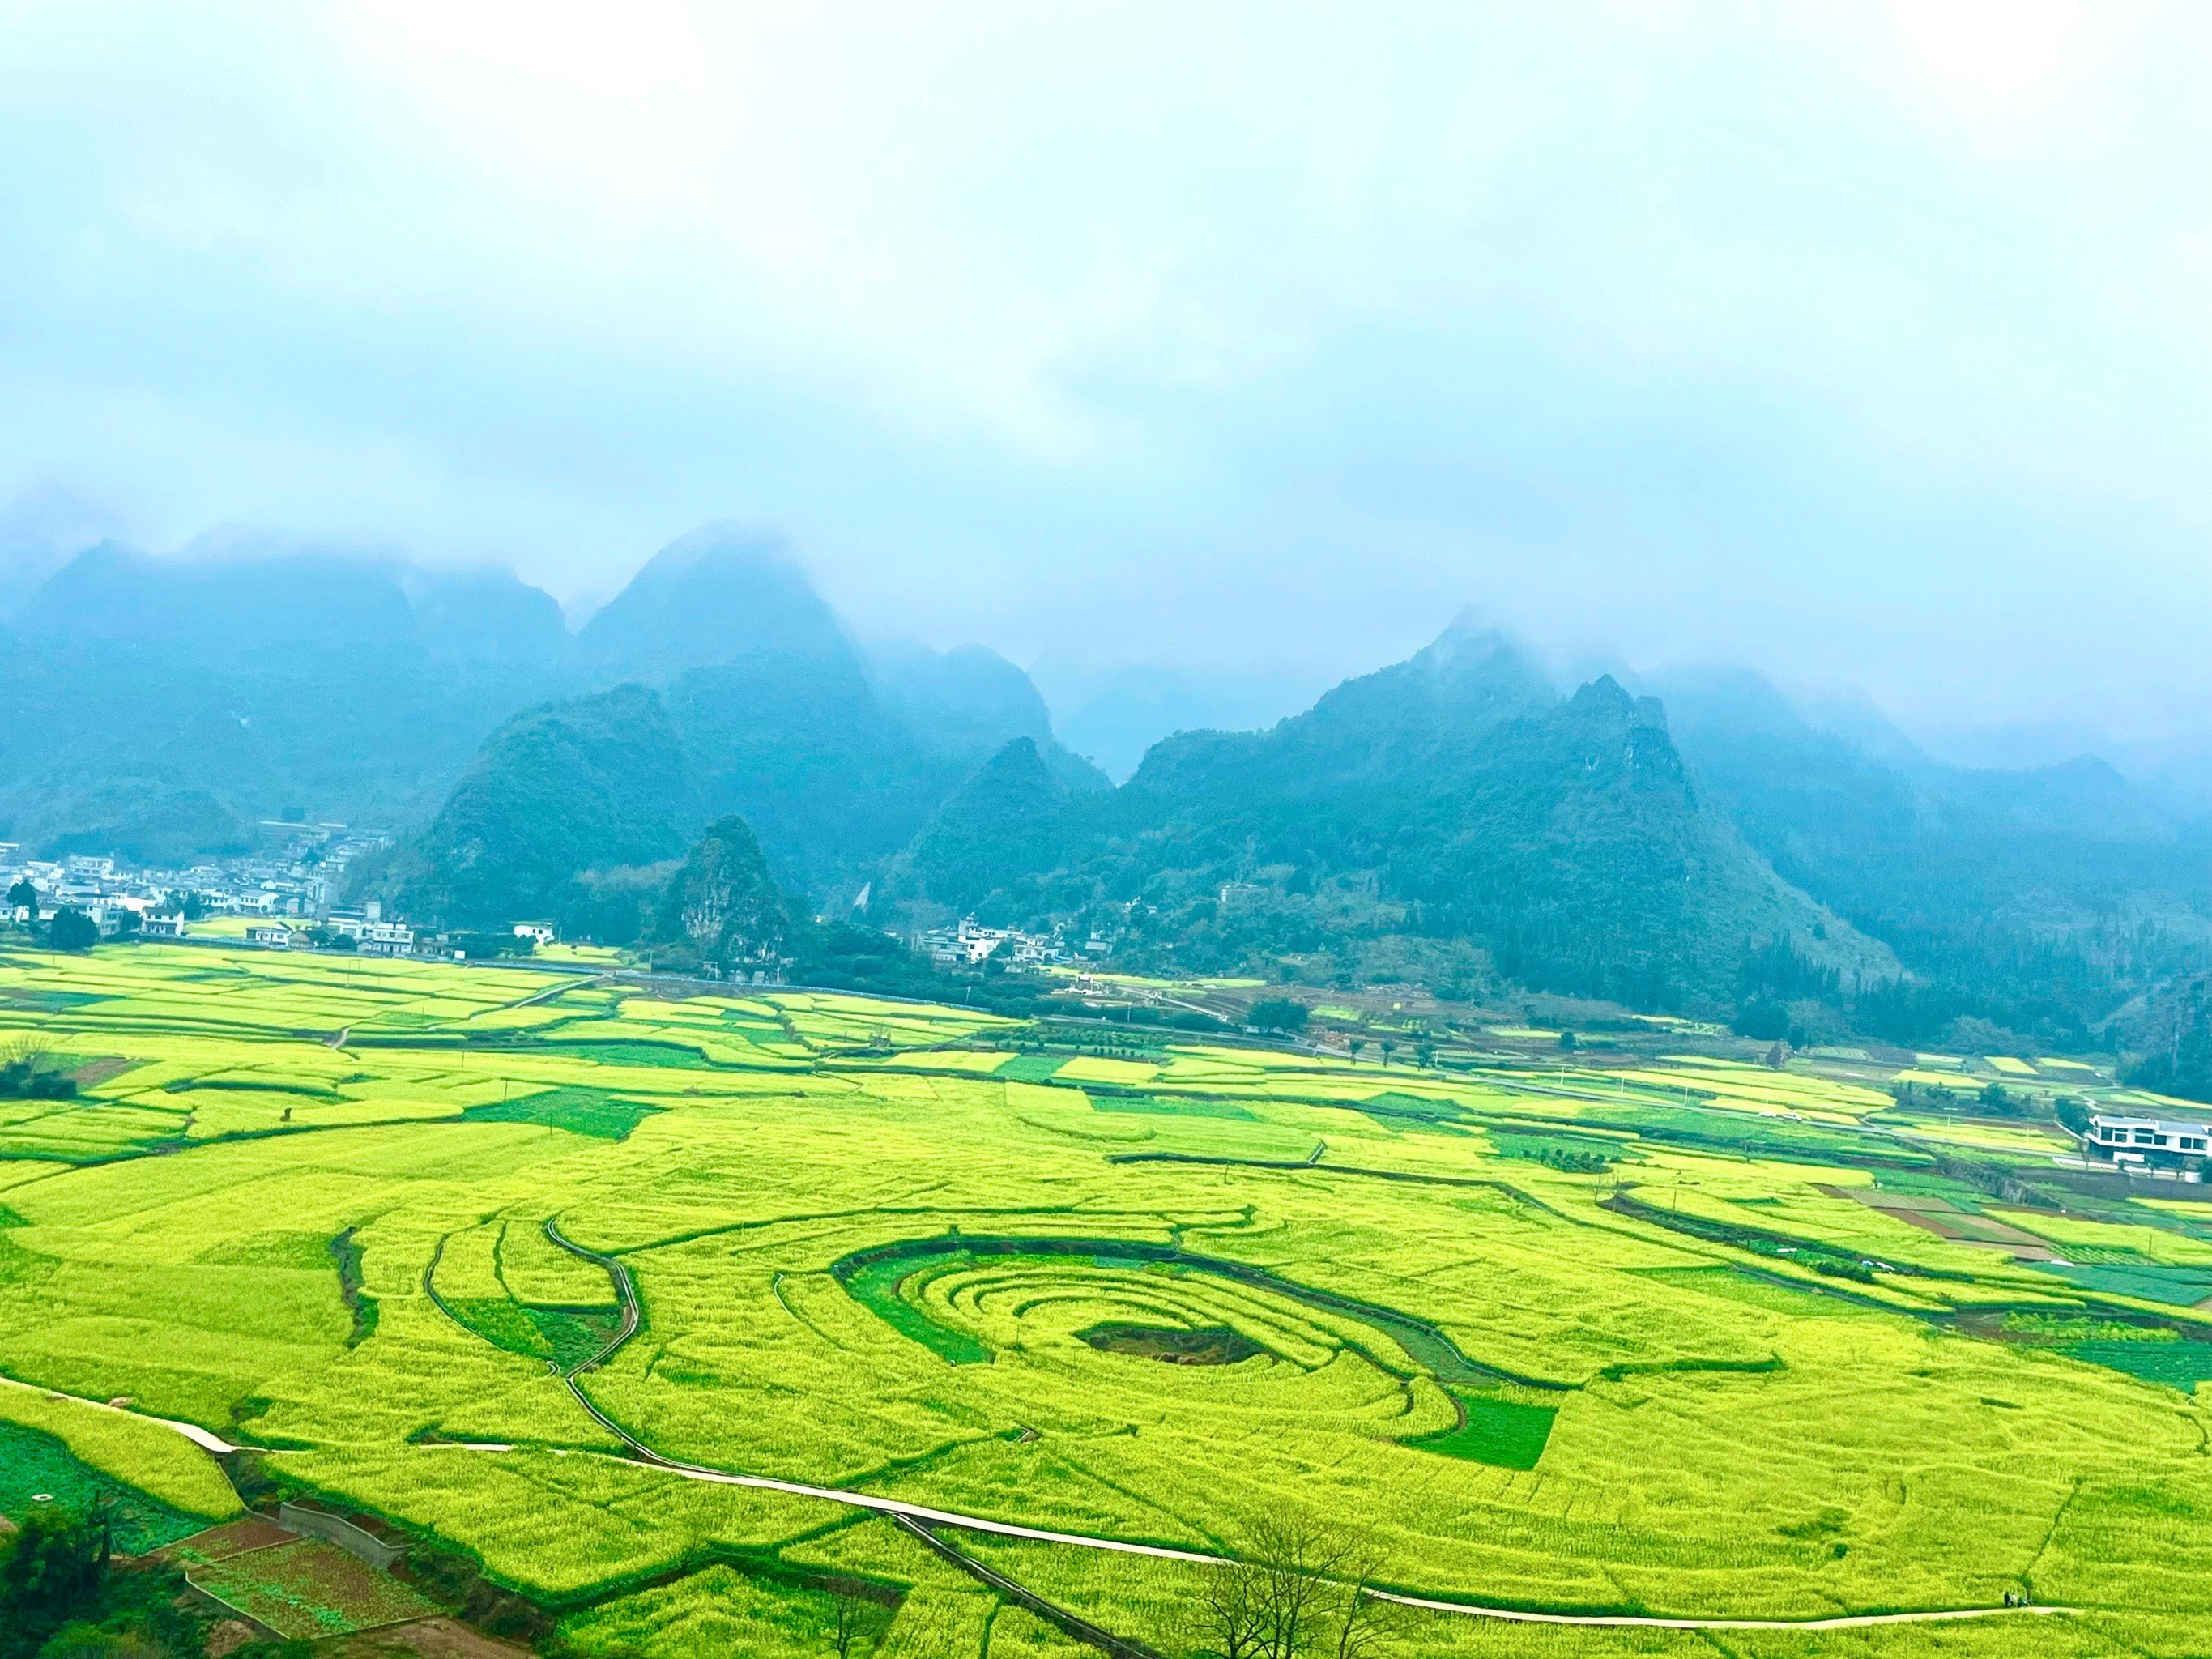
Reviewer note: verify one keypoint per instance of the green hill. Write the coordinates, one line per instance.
(593, 784)
(2035, 902)
(722, 908)
(1450, 818)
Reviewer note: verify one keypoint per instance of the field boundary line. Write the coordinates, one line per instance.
(206, 1439)
(1834, 1621)
(1071, 1624)
(899, 1507)
(921, 1515)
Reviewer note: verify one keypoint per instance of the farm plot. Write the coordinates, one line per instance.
(307, 1589)
(1155, 1312)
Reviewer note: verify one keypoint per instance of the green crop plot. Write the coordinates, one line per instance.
(1684, 1355)
(309, 1589)
(580, 1110)
(36, 1468)
(1503, 1432)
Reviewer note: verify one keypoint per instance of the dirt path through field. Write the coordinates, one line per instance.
(641, 1453)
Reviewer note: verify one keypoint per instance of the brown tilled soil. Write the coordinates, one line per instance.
(425, 1639)
(250, 1532)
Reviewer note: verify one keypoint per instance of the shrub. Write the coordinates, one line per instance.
(72, 930)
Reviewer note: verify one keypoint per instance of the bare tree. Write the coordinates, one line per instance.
(1362, 1624)
(1231, 1613)
(845, 1621)
(1299, 1589)
(1296, 1558)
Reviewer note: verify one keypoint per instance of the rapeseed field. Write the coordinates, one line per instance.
(383, 1223)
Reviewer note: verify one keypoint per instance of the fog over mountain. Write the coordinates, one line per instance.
(1861, 346)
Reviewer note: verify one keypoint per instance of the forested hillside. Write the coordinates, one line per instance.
(1450, 818)
(776, 717)
(157, 707)
(560, 800)
(2035, 902)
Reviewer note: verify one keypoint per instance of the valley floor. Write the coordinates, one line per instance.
(522, 1273)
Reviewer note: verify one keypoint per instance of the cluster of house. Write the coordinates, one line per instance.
(374, 934)
(301, 869)
(371, 933)
(971, 945)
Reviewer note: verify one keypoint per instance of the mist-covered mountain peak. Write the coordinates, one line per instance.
(224, 593)
(486, 617)
(969, 701)
(721, 592)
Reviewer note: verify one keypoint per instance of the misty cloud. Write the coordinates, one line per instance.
(1866, 348)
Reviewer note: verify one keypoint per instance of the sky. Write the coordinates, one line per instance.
(1865, 344)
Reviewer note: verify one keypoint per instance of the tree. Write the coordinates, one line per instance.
(27, 1070)
(78, 1640)
(72, 930)
(846, 1621)
(23, 895)
(1360, 1624)
(1232, 1615)
(1278, 1014)
(51, 1567)
(1764, 1021)
(1300, 1589)
(1567, 1042)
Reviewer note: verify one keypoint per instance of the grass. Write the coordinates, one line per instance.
(36, 1468)
(879, 1287)
(1719, 1418)
(579, 1109)
(1505, 1433)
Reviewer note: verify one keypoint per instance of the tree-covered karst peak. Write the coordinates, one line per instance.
(1449, 818)
(722, 909)
(1008, 820)
(1445, 697)
(587, 784)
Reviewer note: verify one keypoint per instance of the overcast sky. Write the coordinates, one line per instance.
(1865, 343)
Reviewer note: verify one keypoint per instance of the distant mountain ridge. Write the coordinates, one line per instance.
(833, 760)
(1691, 838)
(157, 707)
(2037, 902)
(162, 705)
(1452, 813)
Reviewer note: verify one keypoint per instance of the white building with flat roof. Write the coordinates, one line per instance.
(2165, 1144)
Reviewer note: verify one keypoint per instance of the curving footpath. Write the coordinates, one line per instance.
(922, 1515)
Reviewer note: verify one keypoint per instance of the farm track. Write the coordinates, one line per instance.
(920, 1518)
(1074, 1625)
